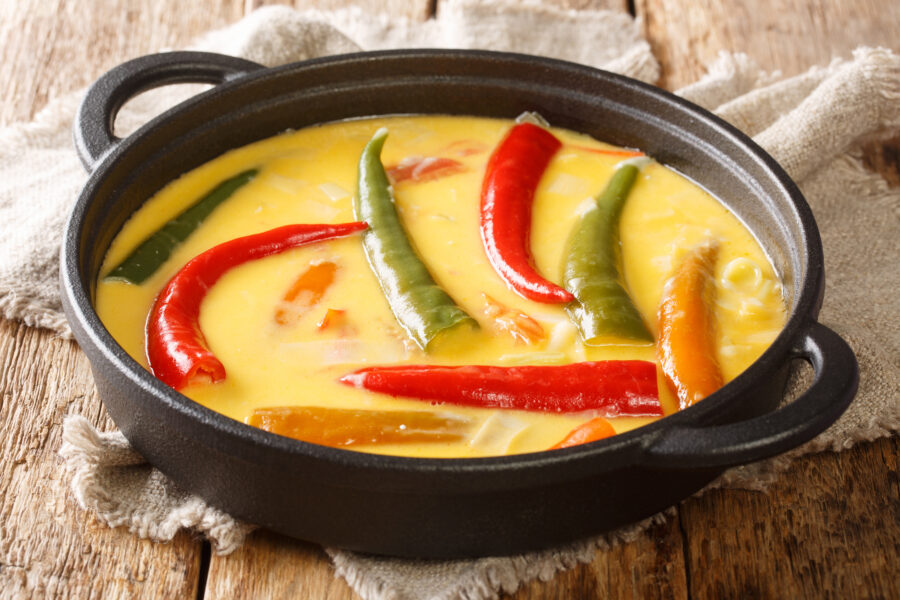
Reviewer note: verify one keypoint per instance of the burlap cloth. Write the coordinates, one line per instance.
(812, 124)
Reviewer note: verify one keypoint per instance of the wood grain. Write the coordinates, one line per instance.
(275, 567)
(826, 528)
(48, 546)
(56, 46)
(648, 568)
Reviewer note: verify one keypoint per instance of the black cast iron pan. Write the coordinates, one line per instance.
(443, 507)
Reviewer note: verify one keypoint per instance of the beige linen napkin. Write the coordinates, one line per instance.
(811, 123)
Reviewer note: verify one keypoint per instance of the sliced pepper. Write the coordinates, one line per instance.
(601, 308)
(424, 169)
(596, 429)
(333, 317)
(351, 427)
(522, 327)
(609, 151)
(176, 348)
(306, 292)
(463, 148)
(686, 347)
(156, 249)
(507, 193)
(422, 308)
(614, 387)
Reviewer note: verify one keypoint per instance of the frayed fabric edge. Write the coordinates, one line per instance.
(504, 574)
(83, 448)
(36, 315)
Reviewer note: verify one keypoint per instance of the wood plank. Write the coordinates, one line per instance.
(272, 566)
(650, 567)
(790, 35)
(826, 528)
(57, 46)
(48, 546)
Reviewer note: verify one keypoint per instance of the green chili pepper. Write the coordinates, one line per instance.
(156, 249)
(601, 307)
(421, 307)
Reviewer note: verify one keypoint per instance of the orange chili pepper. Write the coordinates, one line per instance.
(595, 429)
(306, 292)
(350, 427)
(686, 347)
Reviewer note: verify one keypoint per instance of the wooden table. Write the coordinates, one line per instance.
(828, 528)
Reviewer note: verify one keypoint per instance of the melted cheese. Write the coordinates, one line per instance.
(309, 176)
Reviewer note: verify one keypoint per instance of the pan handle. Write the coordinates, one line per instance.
(94, 121)
(834, 385)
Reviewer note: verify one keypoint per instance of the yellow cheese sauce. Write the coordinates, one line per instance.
(309, 176)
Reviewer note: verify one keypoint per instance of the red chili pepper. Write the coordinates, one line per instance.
(512, 176)
(613, 387)
(176, 348)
